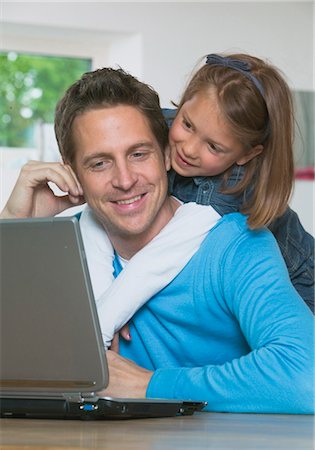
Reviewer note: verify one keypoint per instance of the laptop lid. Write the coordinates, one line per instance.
(50, 335)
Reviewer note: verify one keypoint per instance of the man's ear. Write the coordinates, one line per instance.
(167, 158)
(252, 153)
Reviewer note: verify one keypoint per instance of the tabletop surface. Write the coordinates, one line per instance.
(200, 431)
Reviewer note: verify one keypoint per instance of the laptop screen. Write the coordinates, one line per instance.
(50, 335)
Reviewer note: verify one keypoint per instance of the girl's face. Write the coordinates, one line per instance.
(201, 141)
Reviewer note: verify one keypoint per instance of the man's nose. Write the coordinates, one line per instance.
(124, 177)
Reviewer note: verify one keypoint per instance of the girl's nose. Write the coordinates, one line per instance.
(190, 147)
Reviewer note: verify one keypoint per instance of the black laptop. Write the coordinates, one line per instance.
(52, 359)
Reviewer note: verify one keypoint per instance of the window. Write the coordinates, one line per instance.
(304, 145)
(30, 86)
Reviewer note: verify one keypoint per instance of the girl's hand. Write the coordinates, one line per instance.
(125, 333)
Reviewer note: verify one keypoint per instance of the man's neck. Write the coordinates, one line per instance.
(128, 246)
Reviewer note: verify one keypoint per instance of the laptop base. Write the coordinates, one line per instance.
(100, 409)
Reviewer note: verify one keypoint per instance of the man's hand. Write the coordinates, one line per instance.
(126, 379)
(32, 196)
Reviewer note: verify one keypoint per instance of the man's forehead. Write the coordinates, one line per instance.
(108, 129)
(128, 119)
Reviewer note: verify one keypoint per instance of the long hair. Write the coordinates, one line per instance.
(255, 119)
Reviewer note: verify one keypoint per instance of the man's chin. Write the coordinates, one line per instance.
(124, 228)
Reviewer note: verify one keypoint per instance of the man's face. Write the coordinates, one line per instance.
(122, 171)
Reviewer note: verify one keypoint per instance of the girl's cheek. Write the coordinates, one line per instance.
(175, 131)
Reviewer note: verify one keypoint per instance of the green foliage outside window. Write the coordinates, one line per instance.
(30, 86)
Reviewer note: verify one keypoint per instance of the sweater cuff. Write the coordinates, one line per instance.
(163, 383)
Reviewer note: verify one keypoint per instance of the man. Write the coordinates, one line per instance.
(230, 328)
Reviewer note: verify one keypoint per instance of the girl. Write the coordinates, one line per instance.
(231, 145)
(252, 170)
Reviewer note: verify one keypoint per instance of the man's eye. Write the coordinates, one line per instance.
(140, 155)
(98, 165)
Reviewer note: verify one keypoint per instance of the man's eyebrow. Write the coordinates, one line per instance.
(141, 144)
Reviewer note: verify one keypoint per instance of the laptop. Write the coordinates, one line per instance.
(52, 359)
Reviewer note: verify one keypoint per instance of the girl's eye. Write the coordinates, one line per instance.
(187, 124)
(214, 149)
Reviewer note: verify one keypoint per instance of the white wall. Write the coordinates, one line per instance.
(175, 34)
(303, 203)
(160, 42)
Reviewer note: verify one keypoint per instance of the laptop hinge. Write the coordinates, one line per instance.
(79, 397)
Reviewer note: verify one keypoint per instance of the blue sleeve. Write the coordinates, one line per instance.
(277, 375)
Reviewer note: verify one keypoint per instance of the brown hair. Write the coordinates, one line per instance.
(255, 119)
(104, 88)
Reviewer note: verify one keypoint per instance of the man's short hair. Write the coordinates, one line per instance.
(104, 88)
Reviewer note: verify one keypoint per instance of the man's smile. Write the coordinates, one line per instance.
(129, 201)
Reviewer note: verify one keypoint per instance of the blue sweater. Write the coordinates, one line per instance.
(230, 329)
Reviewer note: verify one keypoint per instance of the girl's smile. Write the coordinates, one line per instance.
(182, 161)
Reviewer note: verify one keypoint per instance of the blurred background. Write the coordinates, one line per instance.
(45, 46)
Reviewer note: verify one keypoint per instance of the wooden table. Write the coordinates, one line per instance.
(200, 431)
